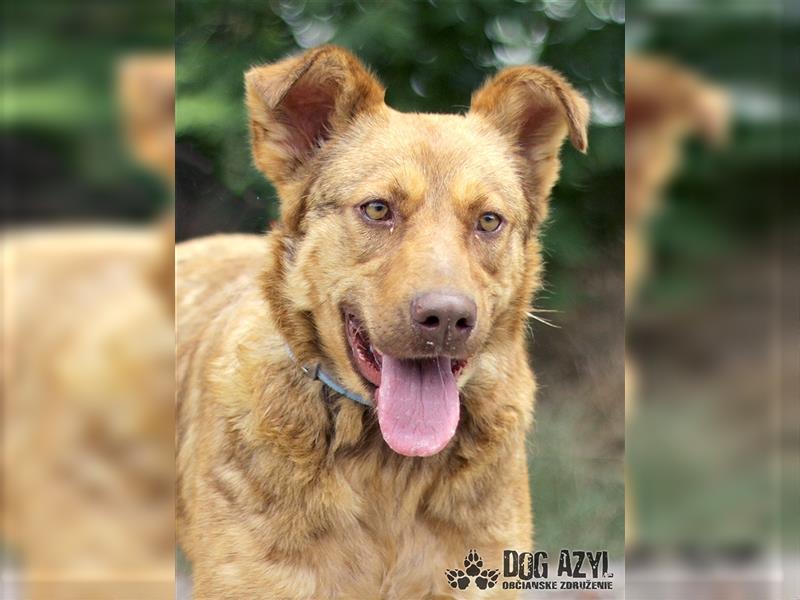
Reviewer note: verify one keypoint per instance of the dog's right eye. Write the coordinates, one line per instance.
(376, 210)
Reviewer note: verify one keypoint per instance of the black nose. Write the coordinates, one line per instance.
(444, 320)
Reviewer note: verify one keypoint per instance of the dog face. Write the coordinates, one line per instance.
(408, 239)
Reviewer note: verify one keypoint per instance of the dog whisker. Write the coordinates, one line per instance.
(530, 315)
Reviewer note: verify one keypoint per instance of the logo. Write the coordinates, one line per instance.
(473, 572)
(576, 570)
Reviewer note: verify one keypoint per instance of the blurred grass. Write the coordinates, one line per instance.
(576, 481)
(690, 464)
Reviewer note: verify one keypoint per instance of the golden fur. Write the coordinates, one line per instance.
(87, 406)
(285, 489)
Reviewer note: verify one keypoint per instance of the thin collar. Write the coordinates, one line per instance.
(315, 372)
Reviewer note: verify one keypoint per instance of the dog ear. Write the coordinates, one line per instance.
(535, 107)
(294, 105)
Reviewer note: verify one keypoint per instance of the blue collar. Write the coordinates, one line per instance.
(315, 372)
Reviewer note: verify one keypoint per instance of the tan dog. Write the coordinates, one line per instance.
(403, 266)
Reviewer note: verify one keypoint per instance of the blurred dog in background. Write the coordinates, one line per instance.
(88, 342)
(665, 104)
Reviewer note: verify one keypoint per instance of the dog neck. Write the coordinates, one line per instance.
(316, 373)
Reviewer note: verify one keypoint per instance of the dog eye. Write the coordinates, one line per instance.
(489, 222)
(376, 210)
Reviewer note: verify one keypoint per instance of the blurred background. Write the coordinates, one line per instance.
(431, 56)
(61, 112)
(713, 436)
(712, 442)
(87, 137)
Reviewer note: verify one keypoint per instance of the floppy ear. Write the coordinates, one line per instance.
(535, 107)
(294, 105)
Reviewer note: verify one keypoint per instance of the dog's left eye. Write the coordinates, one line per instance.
(489, 222)
(376, 210)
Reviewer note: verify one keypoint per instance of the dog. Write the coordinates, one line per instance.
(354, 390)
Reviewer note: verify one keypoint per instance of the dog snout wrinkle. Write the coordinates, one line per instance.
(445, 320)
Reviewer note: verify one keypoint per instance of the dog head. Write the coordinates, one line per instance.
(407, 244)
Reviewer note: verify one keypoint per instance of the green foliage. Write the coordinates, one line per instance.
(60, 118)
(724, 200)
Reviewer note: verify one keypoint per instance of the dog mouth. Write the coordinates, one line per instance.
(417, 398)
(369, 360)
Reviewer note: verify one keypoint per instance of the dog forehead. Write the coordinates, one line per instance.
(427, 152)
(445, 141)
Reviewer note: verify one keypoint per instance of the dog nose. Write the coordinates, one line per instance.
(444, 319)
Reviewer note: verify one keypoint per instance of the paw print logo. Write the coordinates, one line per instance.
(484, 579)
(473, 563)
(457, 579)
(487, 578)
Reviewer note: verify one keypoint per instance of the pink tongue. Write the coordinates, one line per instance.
(417, 405)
